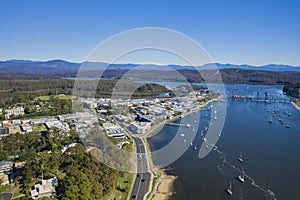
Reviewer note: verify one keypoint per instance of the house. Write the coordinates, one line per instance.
(6, 172)
(46, 188)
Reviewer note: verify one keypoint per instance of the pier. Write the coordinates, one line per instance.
(181, 125)
(260, 99)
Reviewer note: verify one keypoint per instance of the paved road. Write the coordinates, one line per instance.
(142, 180)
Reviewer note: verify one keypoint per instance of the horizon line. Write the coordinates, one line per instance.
(157, 64)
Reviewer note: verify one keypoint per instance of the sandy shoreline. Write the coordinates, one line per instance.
(295, 105)
(164, 188)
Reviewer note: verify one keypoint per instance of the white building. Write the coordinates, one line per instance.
(57, 124)
(14, 111)
(46, 188)
(141, 127)
(114, 130)
(26, 128)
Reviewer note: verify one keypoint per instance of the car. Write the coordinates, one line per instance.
(133, 196)
(138, 175)
(142, 180)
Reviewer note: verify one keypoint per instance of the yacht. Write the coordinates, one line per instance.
(241, 177)
(182, 135)
(195, 148)
(241, 157)
(229, 190)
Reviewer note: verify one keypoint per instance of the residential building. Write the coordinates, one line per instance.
(14, 112)
(46, 188)
(6, 172)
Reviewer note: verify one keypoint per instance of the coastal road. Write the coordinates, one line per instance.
(143, 176)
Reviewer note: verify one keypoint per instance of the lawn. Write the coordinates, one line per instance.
(125, 184)
(46, 98)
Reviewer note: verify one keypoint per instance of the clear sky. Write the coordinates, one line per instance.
(232, 31)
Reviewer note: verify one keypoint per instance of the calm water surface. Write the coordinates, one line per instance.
(270, 151)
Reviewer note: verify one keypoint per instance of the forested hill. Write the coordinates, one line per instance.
(286, 75)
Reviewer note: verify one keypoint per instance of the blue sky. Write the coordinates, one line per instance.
(232, 31)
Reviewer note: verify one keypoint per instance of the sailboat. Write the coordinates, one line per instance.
(241, 157)
(241, 178)
(229, 190)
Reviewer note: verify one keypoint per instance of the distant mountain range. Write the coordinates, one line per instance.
(57, 67)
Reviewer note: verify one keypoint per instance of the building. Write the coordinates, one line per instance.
(114, 130)
(141, 127)
(26, 128)
(6, 172)
(4, 131)
(57, 124)
(14, 112)
(46, 188)
(14, 129)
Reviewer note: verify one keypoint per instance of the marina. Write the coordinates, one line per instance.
(249, 147)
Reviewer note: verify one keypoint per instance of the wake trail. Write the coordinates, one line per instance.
(222, 157)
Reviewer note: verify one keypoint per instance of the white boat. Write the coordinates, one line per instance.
(241, 177)
(229, 190)
(182, 135)
(241, 157)
(193, 130)
(195, 148)
(206, 146)
(184, 140)
(188, 125)
(204, 139)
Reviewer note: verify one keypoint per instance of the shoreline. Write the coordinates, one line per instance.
(159, 126)
(295, 105)
(163, 189)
